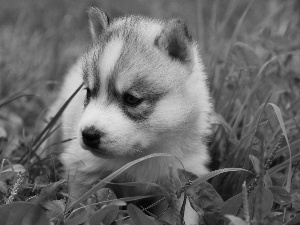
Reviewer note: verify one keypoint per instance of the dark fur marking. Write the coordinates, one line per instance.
(143, 110)
(140, 113)
(175, 40)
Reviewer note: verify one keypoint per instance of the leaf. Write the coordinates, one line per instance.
(213, 218)
(205, 197)
(78, 216)
(232, 205)
(256, 163)
(104, 195)
(47, 191)
(267, 180)
(3, 187)
(112, 176)
(295, 220)
(41, 181)
(235, 220)
(280, 119)
(50, 188)
(138, 216)
(55, 208)
(22, 213)
(281, 196)
(296, 180)
(106, 215)
(296, 199)
(18, 168)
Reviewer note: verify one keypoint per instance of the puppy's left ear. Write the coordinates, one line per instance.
(98, 21)
(175, 40)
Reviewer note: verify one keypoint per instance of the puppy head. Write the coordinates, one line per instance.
(135, 75)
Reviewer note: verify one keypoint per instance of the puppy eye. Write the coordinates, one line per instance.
(131, 100)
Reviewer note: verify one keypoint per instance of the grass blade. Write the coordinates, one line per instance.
(280, 119)
(57, 115)
(109, 178)
(213, 174)
(13, 99)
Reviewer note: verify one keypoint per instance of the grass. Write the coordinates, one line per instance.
(251, 50)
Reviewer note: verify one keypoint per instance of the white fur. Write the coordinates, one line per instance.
(177, 125)
(109, 57)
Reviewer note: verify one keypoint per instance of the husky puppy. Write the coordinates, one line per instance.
(145, 91)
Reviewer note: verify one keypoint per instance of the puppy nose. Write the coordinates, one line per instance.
(91, 137)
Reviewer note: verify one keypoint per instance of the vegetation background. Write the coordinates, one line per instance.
(251, 50)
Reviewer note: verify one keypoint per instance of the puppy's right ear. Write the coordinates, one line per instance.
(98, 21)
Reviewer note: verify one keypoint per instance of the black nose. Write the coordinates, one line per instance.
(91, 137)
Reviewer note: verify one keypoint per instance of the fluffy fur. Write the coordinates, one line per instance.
(151, 63)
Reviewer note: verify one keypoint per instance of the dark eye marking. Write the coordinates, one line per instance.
(88, 93)
(88, 96)
(131, 100)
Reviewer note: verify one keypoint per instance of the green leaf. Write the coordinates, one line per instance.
(50, 188)
(138, 216)
(296, 199)
(232, 205)
(55, 208)
(205, 197)
(78, 216)
(15, 168)
(213, 218)
(295, 220)
(41, 181)
(256, 163)
(3, 187)
(104, 195)
(22, 213)
(235, 220)
(106, 215)
(281, 196)
(47, 192)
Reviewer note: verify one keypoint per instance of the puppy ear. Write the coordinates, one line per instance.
(175, 40)
(98, 21)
